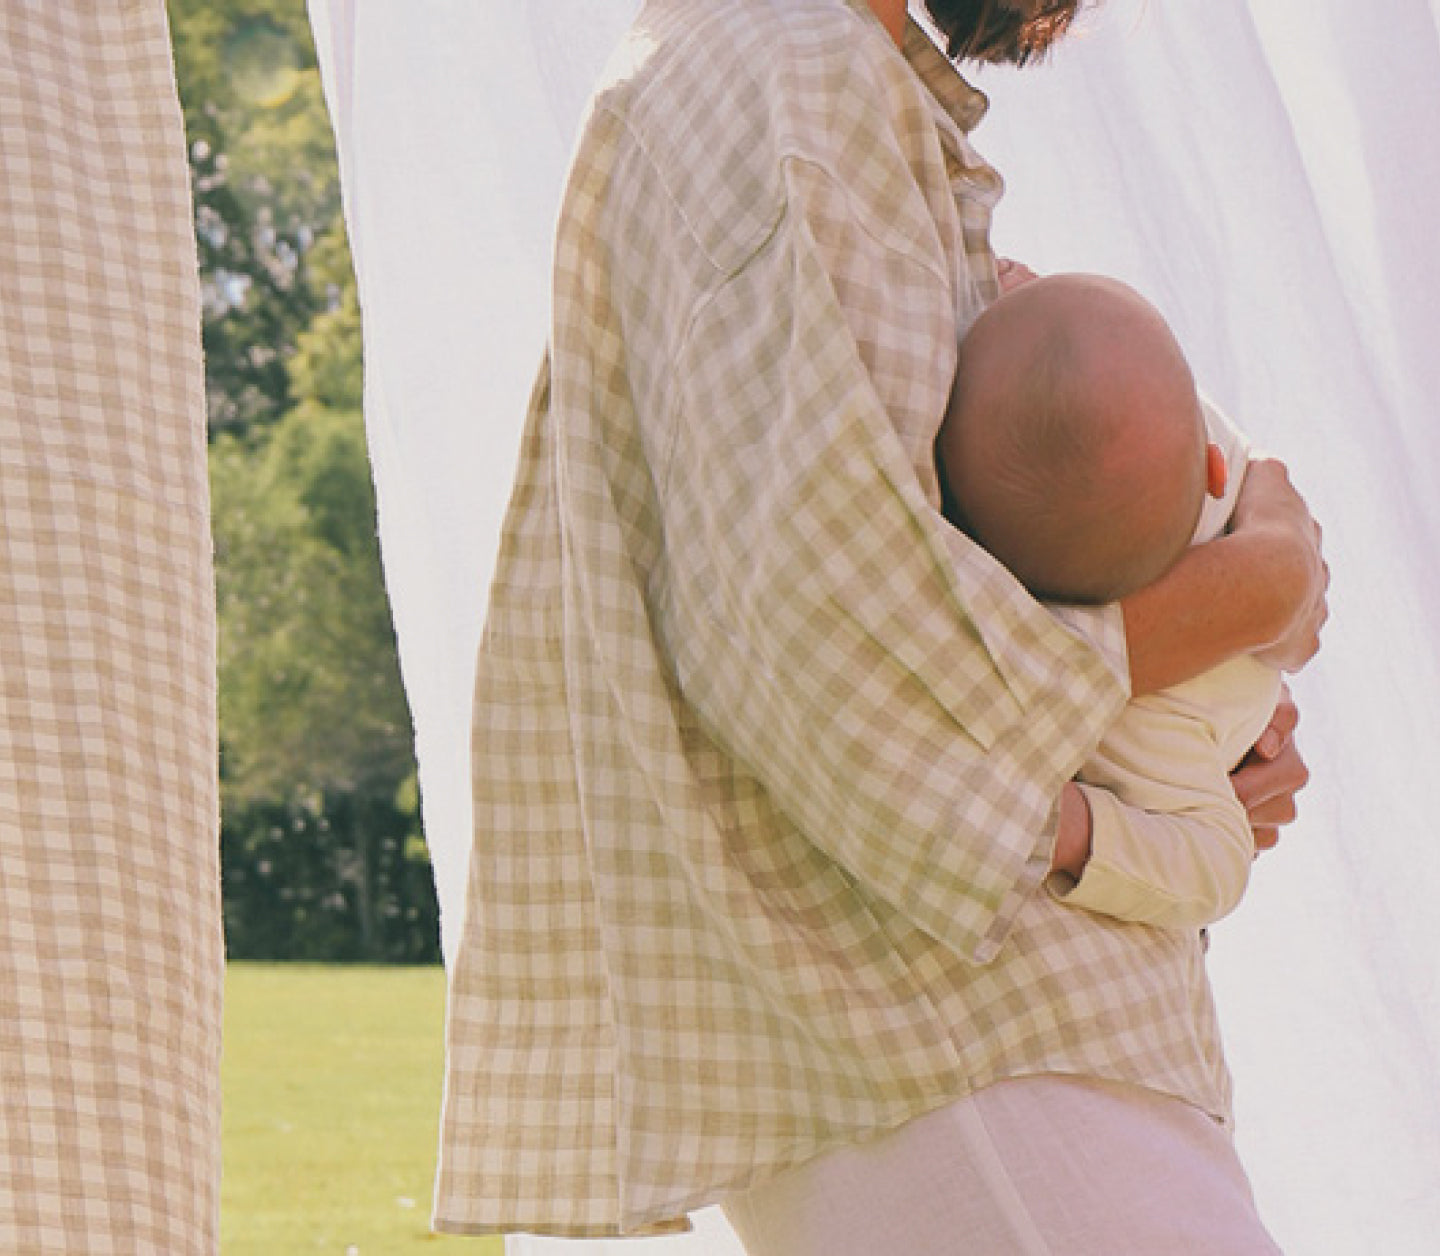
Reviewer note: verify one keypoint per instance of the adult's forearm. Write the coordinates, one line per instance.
(1234, 596)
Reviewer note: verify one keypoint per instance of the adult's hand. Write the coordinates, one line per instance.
(1270, 776)
(1270, 507)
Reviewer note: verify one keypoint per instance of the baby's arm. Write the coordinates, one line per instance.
(1170, 843)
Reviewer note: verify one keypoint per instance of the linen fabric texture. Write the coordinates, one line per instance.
(1170, 843)
(766, 754)
(110, 946)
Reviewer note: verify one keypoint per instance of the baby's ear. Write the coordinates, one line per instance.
(1216, 472)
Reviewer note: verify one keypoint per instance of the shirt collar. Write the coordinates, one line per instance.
(964, 104)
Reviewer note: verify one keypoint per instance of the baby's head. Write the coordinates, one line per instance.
(1074, 449)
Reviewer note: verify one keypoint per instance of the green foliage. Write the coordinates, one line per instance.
(311, 699)
(266, 190)
(344, 878)
(326, 366)
(319, 850)
(322, 852)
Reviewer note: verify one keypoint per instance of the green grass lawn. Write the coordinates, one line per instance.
(332, 1093)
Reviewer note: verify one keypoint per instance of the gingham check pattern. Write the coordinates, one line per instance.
(110, 950)
(765, 754)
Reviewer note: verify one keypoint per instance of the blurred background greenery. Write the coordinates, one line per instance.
(321, 845)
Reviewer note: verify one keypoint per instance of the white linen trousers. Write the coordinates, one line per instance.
(1033, 1166)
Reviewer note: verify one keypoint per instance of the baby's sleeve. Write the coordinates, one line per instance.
(1172, 845)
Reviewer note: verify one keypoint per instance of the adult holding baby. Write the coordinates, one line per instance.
(770, 761)
(1087, 462)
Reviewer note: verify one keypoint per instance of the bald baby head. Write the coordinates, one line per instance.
(1074, 446)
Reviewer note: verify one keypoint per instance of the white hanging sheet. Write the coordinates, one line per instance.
(1267, 173)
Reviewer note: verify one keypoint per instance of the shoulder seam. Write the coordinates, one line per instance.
(699, 308)
(801, 159)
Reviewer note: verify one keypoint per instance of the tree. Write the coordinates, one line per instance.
(321, 844)
(266, 193)
(322, 852)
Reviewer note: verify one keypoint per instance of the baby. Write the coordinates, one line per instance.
(1077, 451)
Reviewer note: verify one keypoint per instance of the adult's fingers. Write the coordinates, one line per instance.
(1266, 838)
(1267, 788)
(1281, 728)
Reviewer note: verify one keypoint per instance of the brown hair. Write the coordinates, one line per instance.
(1015, 31)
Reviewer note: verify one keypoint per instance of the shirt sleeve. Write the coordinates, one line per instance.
(1171, 843)
(897, 693)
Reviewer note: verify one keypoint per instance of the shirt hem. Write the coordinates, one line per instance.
(482, 1229)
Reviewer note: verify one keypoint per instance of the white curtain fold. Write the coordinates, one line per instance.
(1267, 173)
(453, 124)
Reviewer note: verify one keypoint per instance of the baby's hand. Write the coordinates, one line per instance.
(1013, 274)
(1270, 776)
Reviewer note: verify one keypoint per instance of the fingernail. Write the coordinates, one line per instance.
(1269, 743)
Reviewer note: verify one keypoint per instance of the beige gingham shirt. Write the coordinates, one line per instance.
(110, 948)
(766, 755)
